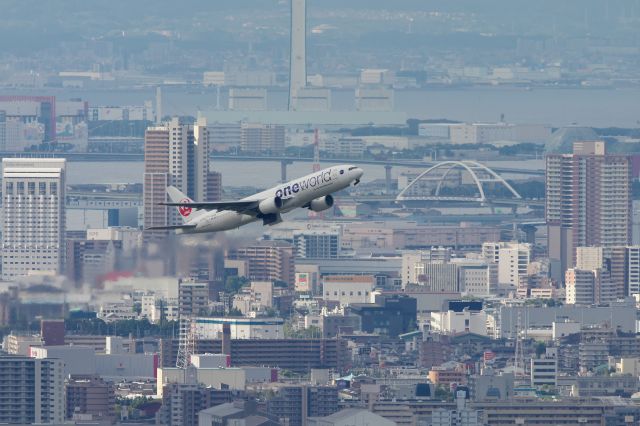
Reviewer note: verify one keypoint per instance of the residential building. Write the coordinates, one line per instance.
(588, 202)
(267, 261)
(32, 390)
(317, 243)
(586, 287)
(33, 233)
(90, 395)
(512, 260)
(177, 154)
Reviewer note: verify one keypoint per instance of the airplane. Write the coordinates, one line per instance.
(312, 191)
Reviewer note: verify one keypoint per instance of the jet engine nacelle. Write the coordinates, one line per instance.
(270, 205)
(321, 203)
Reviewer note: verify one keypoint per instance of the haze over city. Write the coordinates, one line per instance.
(305, 212)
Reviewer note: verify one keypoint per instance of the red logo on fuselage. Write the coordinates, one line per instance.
(185, 211)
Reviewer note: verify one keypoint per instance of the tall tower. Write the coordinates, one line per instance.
(298, 59)
(33, 233)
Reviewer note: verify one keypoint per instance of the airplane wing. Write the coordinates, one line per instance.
(170, 227)
(237, 206)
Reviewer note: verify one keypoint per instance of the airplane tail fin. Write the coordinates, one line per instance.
(187, 213)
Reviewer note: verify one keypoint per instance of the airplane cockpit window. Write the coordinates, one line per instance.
(352, 168)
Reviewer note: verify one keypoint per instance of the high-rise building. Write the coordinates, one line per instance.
(31, 390)
(176, 154)
(298, 59)
(33, 234)
(257, 138)
(588, 202)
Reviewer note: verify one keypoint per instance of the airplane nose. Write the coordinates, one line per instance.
(359, 173)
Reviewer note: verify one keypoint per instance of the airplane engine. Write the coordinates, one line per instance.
(270, 205)
(321, 203)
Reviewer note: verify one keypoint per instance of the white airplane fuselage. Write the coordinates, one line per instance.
(294, 194)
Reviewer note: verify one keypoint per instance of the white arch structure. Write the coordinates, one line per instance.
(480, 174)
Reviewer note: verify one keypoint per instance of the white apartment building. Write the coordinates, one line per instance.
(33, 233)
(512, 259)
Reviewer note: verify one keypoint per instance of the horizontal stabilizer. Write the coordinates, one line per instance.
(238, 206)
(151, 228)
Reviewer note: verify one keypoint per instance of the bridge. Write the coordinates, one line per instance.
(460, 182)
(387, 163)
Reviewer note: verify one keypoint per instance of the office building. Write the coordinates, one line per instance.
(33, 234)
(266, 261)
(240, 328)
(390, 315)
(348, 289)
(544, 372)
(176, 154)
(293, 404)
(317, 244)
(193, 298)
(412, 263)
(298, 53)
(298, 355)
(488, 133)
(30, 110)
(261, 138)
(31, 390)
(588, 202)
(90, 395)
